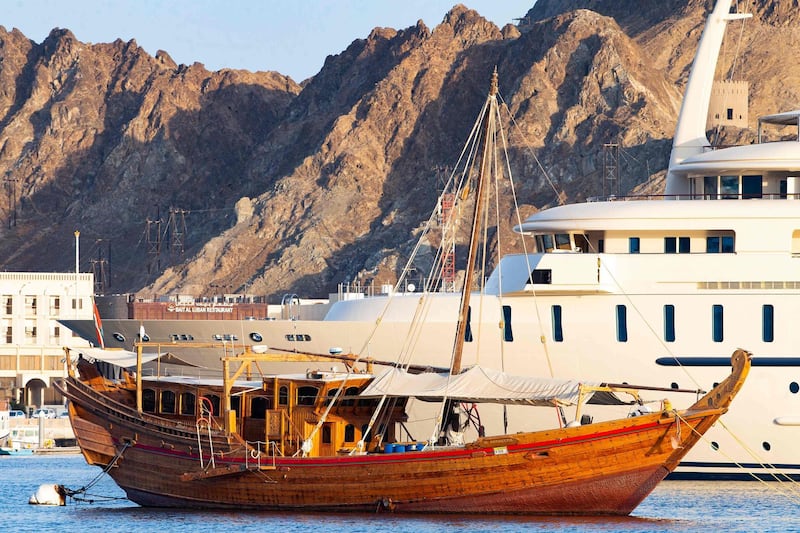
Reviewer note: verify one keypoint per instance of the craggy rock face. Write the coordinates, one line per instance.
(185, 180)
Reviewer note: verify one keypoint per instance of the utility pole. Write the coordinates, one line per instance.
(177, 228)
(153, 239)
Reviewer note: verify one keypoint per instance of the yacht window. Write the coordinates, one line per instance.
(710, 187)
(582, 243)
(716, 244)
(716, 327)
(767, 323)
(684, 245)
(633, 245)
(622, 324)
(563, 241)
(349, 433)
(601, 246)
(669, 323)
(547, 243)
(558, 333)
(751, 187)
(541, 277)
(468, 329)
(508, 335)
(729, 187)
(670, 245)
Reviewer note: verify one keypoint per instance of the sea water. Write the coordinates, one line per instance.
(673, 506)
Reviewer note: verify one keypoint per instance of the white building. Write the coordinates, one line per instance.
(31, 339)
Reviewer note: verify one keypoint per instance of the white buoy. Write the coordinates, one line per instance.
(49, 495)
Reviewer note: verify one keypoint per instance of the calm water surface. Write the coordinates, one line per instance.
(674, 506)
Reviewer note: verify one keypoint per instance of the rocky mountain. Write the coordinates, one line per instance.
(185, 180)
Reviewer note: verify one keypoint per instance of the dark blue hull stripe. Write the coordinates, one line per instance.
(726, 361)
(744, 472)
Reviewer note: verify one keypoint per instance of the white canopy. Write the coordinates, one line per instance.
(126, 358)
(480, 385)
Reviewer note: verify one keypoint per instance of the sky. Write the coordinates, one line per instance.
(289, 36)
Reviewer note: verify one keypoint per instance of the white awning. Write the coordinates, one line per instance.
(479, 385)
(126, 358)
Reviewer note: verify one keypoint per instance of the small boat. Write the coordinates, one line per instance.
(339, 440)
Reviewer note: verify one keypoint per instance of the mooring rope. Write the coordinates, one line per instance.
(75, 494)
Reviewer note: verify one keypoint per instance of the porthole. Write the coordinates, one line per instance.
(121, 338)
(766, 446)
(145, 338)
(714, 445)
(256, 337)
(794, 388)
(674, 385)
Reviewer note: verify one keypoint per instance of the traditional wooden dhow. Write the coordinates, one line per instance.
(341, 440)
(314, 442)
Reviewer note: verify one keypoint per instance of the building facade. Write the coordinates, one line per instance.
(32, 341)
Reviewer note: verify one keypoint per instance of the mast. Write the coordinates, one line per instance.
(489, 126)
(690, 133)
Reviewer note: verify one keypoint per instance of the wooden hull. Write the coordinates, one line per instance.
(603, 468)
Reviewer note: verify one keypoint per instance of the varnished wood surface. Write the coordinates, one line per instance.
(601, 468)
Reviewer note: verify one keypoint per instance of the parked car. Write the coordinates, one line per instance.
(17, 414)
(45, 412)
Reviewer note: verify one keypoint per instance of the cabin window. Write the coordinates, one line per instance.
(622, 324)
(716, 327)
(307, 395)
(283, 395)
(508, 335)
(168, 402)
(751, 187)
(669, 323)
(350, 396)
(684, 245)
(767, 323)
(187, 403)
(633, 245)
(558, 334)
(8, 304)
(214, 400)
(331, 394)
(258, 407)
(149, 400)
(349, 433)
(541, 277)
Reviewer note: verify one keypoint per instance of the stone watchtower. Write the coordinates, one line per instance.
(728, 106)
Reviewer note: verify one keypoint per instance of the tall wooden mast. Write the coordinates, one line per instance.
(487, 153)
